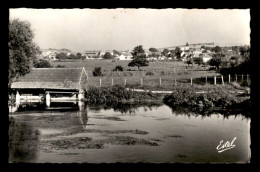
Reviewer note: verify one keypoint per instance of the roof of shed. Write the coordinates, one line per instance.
(50, 78)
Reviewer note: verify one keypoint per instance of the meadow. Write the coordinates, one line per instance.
(159, 75)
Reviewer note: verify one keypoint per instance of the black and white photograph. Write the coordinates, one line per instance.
(129, 85)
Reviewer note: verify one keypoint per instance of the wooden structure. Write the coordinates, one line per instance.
(51, 85)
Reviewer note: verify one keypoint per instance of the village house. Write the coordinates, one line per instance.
(51, 85)
(125, 56)
(184, 48)
(90, 54)
(197, 52)
(206, 57)
(49, 54)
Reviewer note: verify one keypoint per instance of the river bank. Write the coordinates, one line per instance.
(199, 99)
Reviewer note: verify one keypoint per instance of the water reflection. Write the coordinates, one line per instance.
(124, 108)
(181, 135)
(83, 114)
(23, 142)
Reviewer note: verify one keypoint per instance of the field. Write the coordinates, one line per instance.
(159, 75)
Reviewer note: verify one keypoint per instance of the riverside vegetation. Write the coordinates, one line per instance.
(202, 99)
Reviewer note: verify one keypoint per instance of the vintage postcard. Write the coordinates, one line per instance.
(129, 85)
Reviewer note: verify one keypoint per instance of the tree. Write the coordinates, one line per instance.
(139, 57)
(178, 52)
(78, 56)
(107, 55)
(116, 52)
(61, 56)
(245, 53)
(22, 49)
(97, 71)
(71, 56)
(189, 61)
(218, 60)
(153, 50)
(198, 60)
(187, 44)
(216, 49)
(165, 52)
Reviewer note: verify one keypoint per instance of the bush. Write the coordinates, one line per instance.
(163, 72)
(97, 71)
(187, 97)
(117, 94)
(150, 73)
(42, 64)
(60, 66)
(118, 68)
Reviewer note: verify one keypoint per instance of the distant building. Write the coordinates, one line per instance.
(197, 52)
(90, 54)
(125, 56)
(206, 57)
(184, 48)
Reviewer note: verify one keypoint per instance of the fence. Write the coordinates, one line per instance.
(167, 81)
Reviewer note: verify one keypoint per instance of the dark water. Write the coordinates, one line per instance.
(126, 133)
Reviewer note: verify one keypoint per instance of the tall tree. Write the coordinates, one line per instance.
(139, 57)
(165, 52)
(107, 55)
(178, 52)
(22, 49)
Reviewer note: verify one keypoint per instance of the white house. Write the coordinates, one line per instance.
(125, 56)
(196, 53)
(184, 48)
(206, 57)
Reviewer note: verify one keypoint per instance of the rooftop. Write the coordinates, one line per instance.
(50, 78)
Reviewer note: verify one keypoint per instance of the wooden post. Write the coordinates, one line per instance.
(247, 79)
(222, 79)
(17, 98)
(206, 80)
(100, 82)
(160, 81)
(48, 99)
(175, 82)
(112, 82)
(141, 81)
(190, 81)
(229, 78)
(236, 77)
(242, 77)
(215, 80)
(125, 82)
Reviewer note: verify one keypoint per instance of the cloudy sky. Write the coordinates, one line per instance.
(123, 29)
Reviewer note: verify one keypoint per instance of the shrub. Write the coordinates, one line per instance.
(97, 71)
(118, 68)
(163, 72)
(60, 66)
(42, 64)
(150, 73)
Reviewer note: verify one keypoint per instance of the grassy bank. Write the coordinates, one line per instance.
(201, 96)
(212, 99)
(119, 94)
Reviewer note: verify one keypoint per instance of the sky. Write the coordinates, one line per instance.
(80, 30)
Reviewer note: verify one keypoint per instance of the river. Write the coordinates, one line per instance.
(126, 133)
